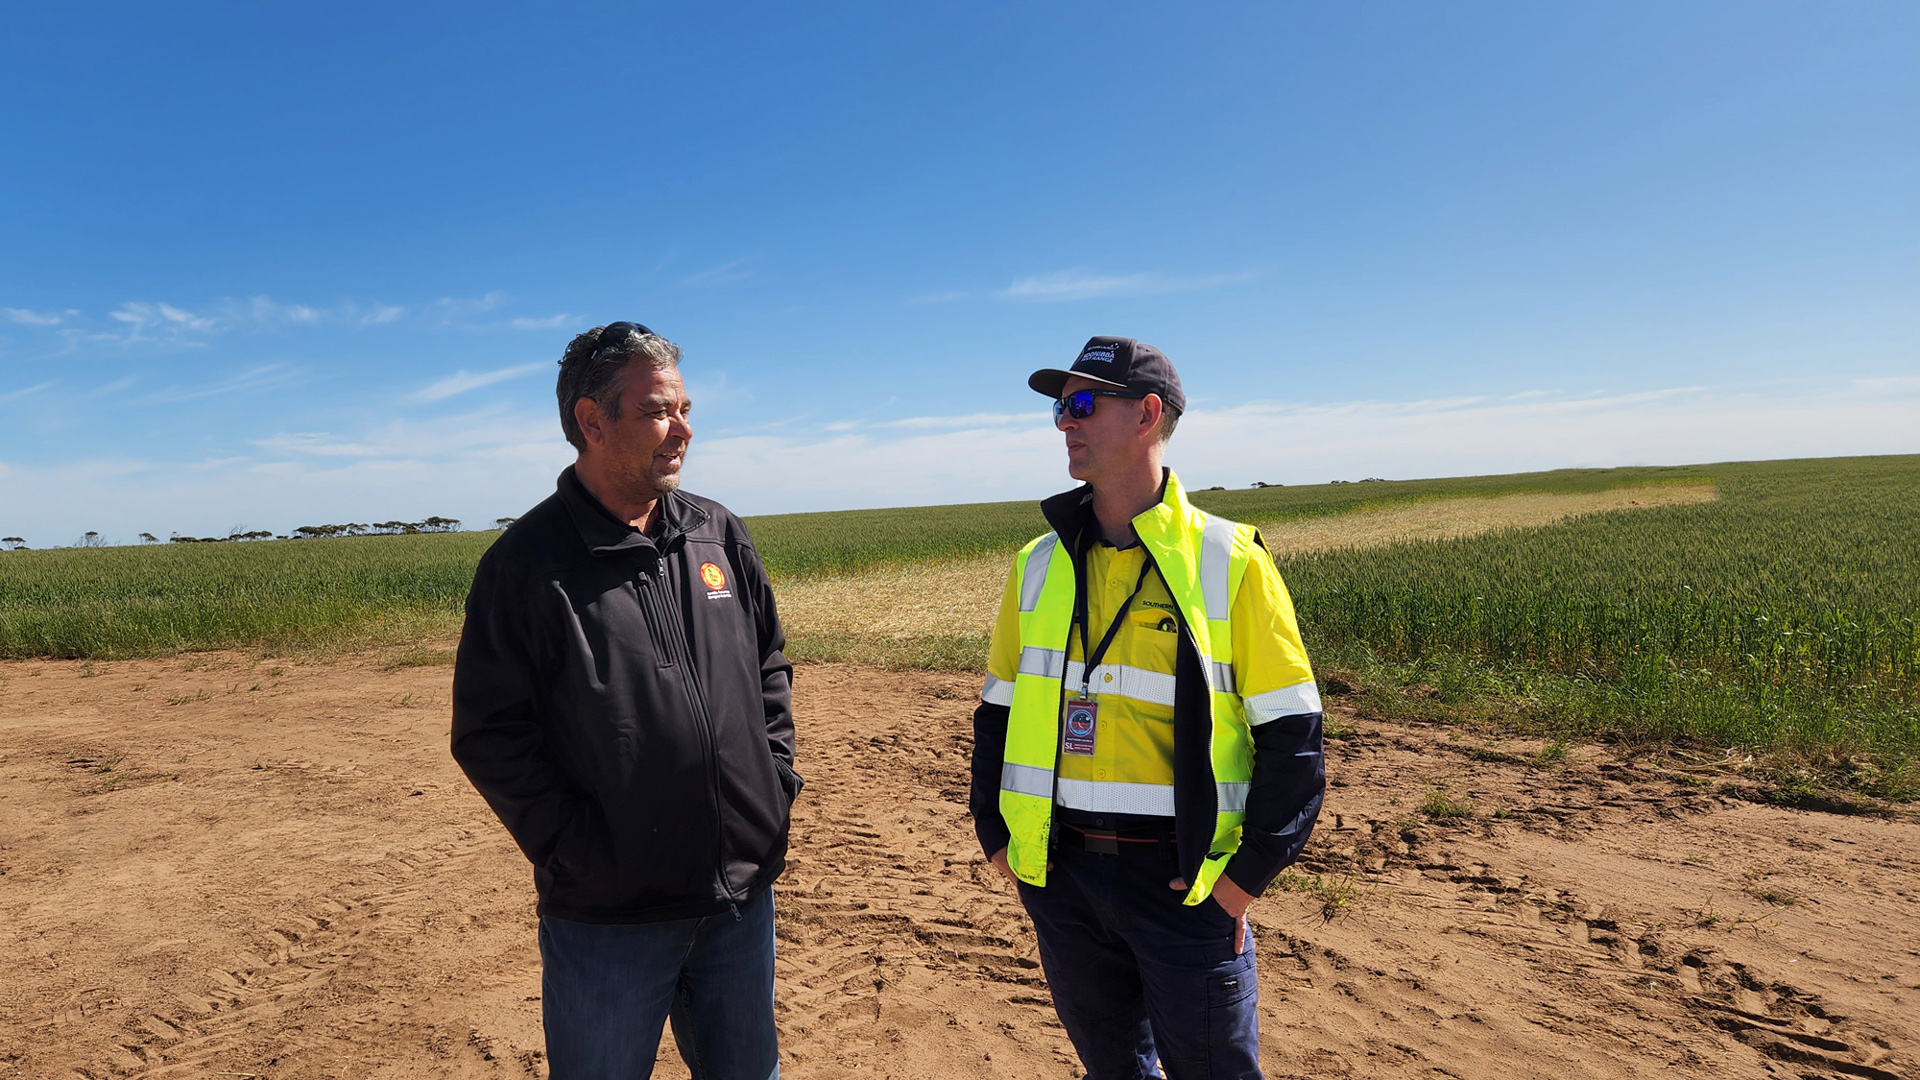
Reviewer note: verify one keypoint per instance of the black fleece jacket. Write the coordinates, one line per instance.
(621, 701)
(1289, 767)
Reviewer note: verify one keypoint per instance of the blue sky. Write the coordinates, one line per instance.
(271, 265)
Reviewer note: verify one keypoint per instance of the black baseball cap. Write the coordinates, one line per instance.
(1119, 362)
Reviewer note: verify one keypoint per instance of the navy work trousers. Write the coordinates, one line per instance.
(1137, 975)
(606, 990)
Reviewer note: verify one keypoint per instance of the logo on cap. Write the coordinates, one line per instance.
(1102, 354)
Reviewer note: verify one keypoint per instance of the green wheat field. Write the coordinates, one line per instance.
(1778, 617)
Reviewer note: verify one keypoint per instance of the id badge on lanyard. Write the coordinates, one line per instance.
(1080, 724)
(1081, 729)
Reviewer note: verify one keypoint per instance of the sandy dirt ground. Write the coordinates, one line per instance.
(222, 867)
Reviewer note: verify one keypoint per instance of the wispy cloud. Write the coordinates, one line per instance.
(37, 318)
(258, 378)
(490, 434)
(479, 464)
(166, 322)
(452, 309)
(462, 381)
(970, 420)
(27, 391)
(729, 271)
(1066, 285)
(1894, 385)
(142, 315)
(265, 309)
(551, 322)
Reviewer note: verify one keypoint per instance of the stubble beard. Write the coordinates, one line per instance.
(665, 480)
(652, 482)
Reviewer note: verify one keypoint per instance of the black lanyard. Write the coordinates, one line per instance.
(1091, 660)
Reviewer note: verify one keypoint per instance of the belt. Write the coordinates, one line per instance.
(1112, 842)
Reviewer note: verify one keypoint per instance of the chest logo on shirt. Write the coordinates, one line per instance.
(716, 580)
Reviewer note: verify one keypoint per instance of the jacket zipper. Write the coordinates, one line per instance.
(676, 640)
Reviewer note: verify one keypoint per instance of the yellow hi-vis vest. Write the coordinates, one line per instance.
(1202, 558)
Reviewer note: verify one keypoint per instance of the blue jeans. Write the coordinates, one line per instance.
(1137, 975)
(606, 990)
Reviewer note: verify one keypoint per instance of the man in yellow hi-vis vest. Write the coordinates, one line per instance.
(1147, 751)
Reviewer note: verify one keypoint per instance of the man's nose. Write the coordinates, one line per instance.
(682, 426)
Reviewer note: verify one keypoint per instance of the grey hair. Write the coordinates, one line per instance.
(595, 366)
(1169, 419)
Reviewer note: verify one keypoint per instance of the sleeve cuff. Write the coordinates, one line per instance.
(1251, 872)
(993, 835)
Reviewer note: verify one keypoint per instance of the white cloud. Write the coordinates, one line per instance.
(490, 435)
(483, 464)
(16, 395)
(266, 310)
(462, 381)
(1897, 384)
(993, 456)
(728, 271)
(1289, 443)
(37, 318)
(160, 316)
(1066, 285)
(971, 420)
(551, 322)
(383, 313)
(452, 309)
(257, 378)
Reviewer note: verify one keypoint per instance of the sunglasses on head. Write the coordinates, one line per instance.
(615, 335)
(1079, 404)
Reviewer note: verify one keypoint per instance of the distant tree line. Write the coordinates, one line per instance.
(435, 524)
(378, 528)
(232, 537)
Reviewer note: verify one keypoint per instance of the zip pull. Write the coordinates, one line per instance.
(731, 906)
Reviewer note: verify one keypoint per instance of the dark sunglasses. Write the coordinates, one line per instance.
(1079, 404)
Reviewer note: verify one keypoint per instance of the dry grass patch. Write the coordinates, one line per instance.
(1467, 515)
(893, 605)
(899, 602)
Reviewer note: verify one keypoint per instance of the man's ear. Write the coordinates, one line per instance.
(1151, 409)
(587, 414)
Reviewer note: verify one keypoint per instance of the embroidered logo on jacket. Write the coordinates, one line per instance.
(716, 580)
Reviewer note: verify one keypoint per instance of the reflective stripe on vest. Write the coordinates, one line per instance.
(1115, 797)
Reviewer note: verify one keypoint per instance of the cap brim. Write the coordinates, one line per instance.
(1050, 381)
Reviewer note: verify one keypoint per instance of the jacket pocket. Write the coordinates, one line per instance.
(790, 781)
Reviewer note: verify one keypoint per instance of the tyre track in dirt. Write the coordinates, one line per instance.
(296, 882)
(1570, 926)
(896, 939)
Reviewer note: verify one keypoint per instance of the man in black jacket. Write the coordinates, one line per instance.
(622, 703)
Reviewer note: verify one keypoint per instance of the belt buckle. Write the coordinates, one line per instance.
(1102, 843)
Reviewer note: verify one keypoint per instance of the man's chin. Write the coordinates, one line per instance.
(665, 482)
